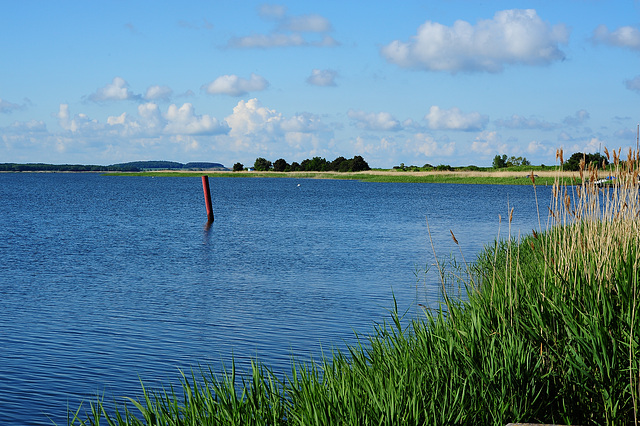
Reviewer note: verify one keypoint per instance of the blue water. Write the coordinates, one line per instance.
(108, 280)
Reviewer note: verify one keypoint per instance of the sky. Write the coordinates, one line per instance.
(416, 82)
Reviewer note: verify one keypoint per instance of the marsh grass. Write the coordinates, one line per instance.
(489, 178)
(546, 331)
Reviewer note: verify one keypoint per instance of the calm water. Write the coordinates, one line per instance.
(105, 280)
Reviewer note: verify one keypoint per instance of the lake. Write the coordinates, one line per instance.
(108, 280)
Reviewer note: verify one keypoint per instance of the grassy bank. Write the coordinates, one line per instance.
(499, 177)
(548, 334)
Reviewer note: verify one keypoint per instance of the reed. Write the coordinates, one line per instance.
(547, 332)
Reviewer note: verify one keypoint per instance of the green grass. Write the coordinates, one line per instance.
(547, 333)
(397, 177)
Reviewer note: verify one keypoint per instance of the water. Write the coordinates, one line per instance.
(108, 280)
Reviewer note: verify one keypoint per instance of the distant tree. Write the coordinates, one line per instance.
(295, 167)
(337, 164)
(262, 164)
(316, 164)
(280, 165)
(238, 167)
(358, 164)
(500, 162)
(444, 167)
(517, 161)
(573, 163)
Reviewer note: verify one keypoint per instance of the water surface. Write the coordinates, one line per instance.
(106, 280)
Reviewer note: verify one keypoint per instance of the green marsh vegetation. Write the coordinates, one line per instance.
(462, 176)
(547, 332)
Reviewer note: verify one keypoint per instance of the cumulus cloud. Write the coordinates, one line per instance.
(374, 121)
(117, 90)
(627, 37)
(256, 128)
(183, 120)
(633, 84)
(425, 144)
(158, 93)
(488, 143)
(539, 148)
(303, 123)
(511, 37)
(233, 85)
(77, 123)
(454, 119)
(322, 78)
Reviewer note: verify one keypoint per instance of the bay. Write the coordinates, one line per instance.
(108, 280)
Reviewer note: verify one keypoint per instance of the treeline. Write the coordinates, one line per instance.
(168, 165)
(503, 161)
(41, 167)
(316, 164)
(134, 166)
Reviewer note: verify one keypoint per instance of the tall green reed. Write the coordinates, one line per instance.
(546, 332)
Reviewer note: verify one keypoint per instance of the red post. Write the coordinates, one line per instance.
(207, 198)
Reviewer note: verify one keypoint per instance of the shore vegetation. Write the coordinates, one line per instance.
(545, 330)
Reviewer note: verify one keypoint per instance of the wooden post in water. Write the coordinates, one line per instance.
(207, 198)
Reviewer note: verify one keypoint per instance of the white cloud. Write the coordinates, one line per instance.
(256, 128)
(158, 93)
(425, 144)
(633, 84)
(79, 122)
(488, 143)
(511, 37)
(233, 85)
(306, 23)
(303, 123)
(454, 119)
(374, 121)
(117, 90)
(627, 36)
(184, 121)
(541, 149)
(251, 117)
(519, 122)
(288, 31)
(322, 78)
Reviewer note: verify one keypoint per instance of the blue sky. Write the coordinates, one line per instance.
(441, 82)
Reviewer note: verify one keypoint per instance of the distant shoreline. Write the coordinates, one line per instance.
(484, 177)
(498, 177)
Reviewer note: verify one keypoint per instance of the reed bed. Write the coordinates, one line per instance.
(547, 332)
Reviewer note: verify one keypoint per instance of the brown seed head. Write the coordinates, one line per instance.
(453, 236)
